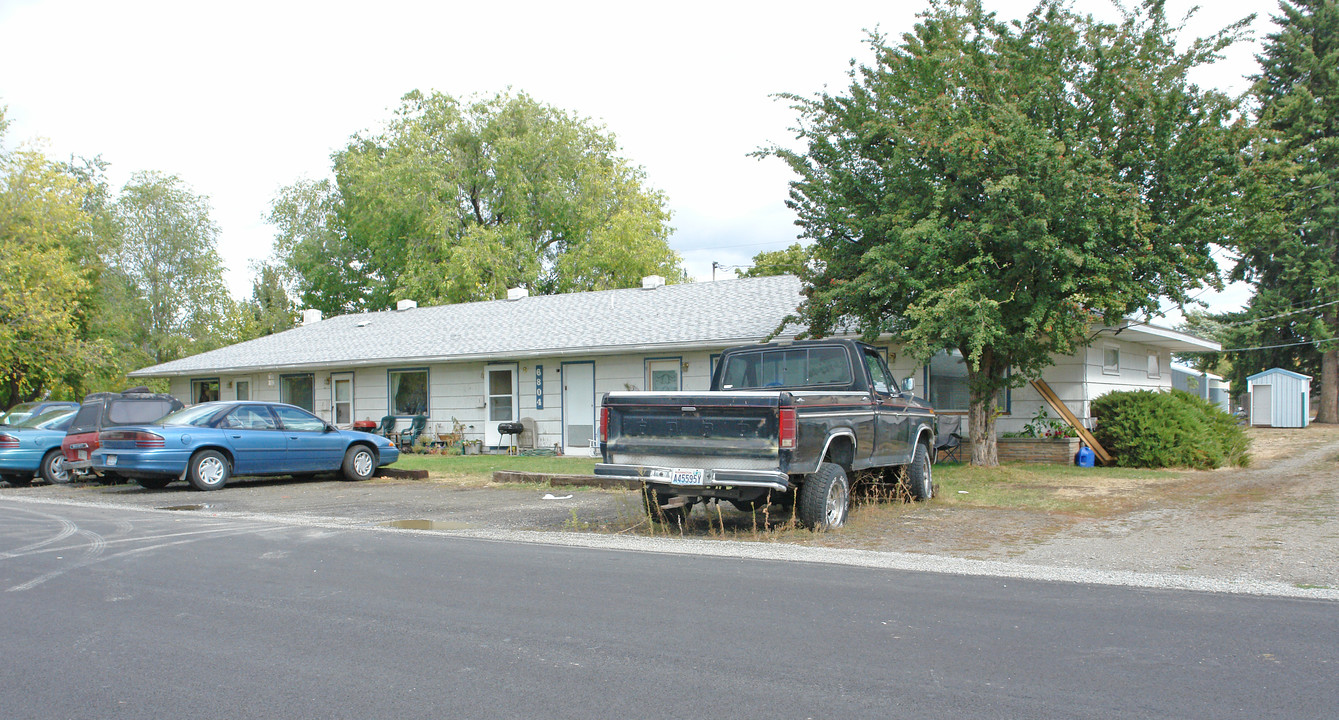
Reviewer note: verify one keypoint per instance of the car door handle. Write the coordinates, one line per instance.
(235, 437)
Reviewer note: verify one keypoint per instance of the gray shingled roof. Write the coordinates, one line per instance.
(705, 314)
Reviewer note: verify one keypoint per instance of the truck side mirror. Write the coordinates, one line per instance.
(908, 384)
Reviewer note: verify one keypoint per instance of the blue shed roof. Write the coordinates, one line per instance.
(1279, 371)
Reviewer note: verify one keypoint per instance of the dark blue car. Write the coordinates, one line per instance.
(210, 442)
(32, 447)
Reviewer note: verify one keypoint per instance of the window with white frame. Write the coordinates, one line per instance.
(947, 376)
(409, 392)
(947, 387)
(204, 390)
(1111, 360)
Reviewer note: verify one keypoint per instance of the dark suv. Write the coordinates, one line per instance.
(135, 406)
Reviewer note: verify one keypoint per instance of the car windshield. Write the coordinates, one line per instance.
(197, 415)
(17, 414)
(48, 419)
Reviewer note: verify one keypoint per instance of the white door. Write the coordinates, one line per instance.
(578, 407)
(502, 401)
(1262, 410)
(341, 399)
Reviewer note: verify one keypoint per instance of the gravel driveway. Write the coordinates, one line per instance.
(1270, 528)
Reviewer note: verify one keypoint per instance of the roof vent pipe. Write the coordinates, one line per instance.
(517, 293)
(651, 282)
(406, 305)
(311, 315)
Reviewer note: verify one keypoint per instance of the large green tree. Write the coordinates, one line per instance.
(1000, 187)
(458, 201)
(41, 283)
(168, 250)
(1293, 260)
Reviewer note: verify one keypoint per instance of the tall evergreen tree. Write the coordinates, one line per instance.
(1293, 256)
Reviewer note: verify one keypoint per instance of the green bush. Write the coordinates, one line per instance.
(1167, 429)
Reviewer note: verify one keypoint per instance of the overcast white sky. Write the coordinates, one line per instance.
(241, 98)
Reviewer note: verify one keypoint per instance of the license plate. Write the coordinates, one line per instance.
(83, 454)
(111, 460)
(686, 477)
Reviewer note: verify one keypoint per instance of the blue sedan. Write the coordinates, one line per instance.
(32, 447)
(210, 442)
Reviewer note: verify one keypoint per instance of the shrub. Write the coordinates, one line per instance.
(1167, 429)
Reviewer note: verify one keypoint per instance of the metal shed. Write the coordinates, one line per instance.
(1279, 398)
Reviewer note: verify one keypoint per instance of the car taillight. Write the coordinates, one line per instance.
(8, 442)
(604, 423)
(786, 428)
(139, 437)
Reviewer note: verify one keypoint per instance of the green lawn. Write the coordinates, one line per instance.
(481, 467)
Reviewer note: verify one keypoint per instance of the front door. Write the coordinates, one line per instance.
(578, 407)
(1262, 406)
(502, 402)
(341, 400)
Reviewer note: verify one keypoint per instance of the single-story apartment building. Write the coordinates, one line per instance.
(1207, 385)
(547, 360)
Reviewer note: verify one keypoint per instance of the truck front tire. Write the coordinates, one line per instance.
(918, 474)
(825, 498)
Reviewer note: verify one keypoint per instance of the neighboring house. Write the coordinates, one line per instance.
(1204, 384)
(547, 359)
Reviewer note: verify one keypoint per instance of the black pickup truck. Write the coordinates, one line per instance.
(783, 423)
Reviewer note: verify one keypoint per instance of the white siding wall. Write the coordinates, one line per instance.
(456, 390)
(1289, 400)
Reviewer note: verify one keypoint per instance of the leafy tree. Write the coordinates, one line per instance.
(41, 217)
(459, 201)
(1293, 256)
(998, 187)
(168, 251)
(790, 261)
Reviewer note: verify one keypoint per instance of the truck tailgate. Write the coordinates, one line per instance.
(727, 430)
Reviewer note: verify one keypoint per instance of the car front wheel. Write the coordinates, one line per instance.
(359, 463)
(209, 470)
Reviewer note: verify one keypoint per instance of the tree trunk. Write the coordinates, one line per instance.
(981, 414)
(1327, 410)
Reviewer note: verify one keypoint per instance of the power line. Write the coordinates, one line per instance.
(1271, 347)
(1273, 317)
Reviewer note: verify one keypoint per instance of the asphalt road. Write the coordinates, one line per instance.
(122, 613)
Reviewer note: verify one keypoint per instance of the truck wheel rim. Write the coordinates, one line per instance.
(836, 503)
(362, 463)
(210, 470)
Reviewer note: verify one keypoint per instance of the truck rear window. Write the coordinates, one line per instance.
(786, 367)
(136, 412)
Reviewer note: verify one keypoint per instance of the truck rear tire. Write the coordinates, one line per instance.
(918, 474)
(673, 516)
(825, 498)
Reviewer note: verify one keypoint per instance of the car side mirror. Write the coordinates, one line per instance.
(329, 428)
(908, 384)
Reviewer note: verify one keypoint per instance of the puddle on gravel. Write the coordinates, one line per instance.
(426, 525)
(184, 507)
